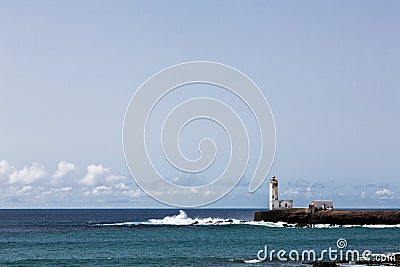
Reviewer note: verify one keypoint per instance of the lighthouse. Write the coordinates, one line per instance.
(273, 192)
(274, 202)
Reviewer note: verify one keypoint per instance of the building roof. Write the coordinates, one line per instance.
(319, 201)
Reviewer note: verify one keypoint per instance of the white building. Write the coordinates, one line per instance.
(274, 202)
(321, 205)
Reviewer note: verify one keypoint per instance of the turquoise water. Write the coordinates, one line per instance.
(203, 237)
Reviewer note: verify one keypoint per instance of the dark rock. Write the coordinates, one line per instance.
(302, 225)
(303, 217)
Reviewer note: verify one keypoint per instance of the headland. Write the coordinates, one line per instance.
(309, 217)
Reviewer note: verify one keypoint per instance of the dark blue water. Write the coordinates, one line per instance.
(125, 237)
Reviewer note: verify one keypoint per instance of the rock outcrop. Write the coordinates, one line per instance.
(333, 217)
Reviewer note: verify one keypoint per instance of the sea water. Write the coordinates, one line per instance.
(168, 237)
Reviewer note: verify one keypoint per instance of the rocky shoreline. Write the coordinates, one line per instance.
(308, 217)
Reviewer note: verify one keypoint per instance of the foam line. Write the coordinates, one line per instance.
(182, 219)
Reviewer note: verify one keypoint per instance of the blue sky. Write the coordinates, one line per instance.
(329, 69)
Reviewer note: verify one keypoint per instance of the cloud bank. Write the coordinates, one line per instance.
(66, 186)
(96, 185)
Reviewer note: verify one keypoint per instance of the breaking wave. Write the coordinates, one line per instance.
(182, 219)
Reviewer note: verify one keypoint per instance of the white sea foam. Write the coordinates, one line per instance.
(182, 219)
(117, 224)
(382, 226)
(252, 261)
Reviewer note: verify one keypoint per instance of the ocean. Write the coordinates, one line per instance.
(168, 237)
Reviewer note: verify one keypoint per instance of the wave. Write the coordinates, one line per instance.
(252, 261)
(182, 219)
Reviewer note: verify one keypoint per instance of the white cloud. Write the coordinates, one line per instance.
(23, 190)
(5, 168)
(28, 175)
(384, 194)
(63, 169)
(35, 186)
(98, 175)
(66, 189)
(101, 189)
(112, 192)
(113, 179)
(121, 186)
(95, 175)
(136, 193)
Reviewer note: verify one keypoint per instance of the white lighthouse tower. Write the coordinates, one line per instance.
(273, 192)
(274, 202)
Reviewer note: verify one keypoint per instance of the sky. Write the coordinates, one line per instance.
(329, 70)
